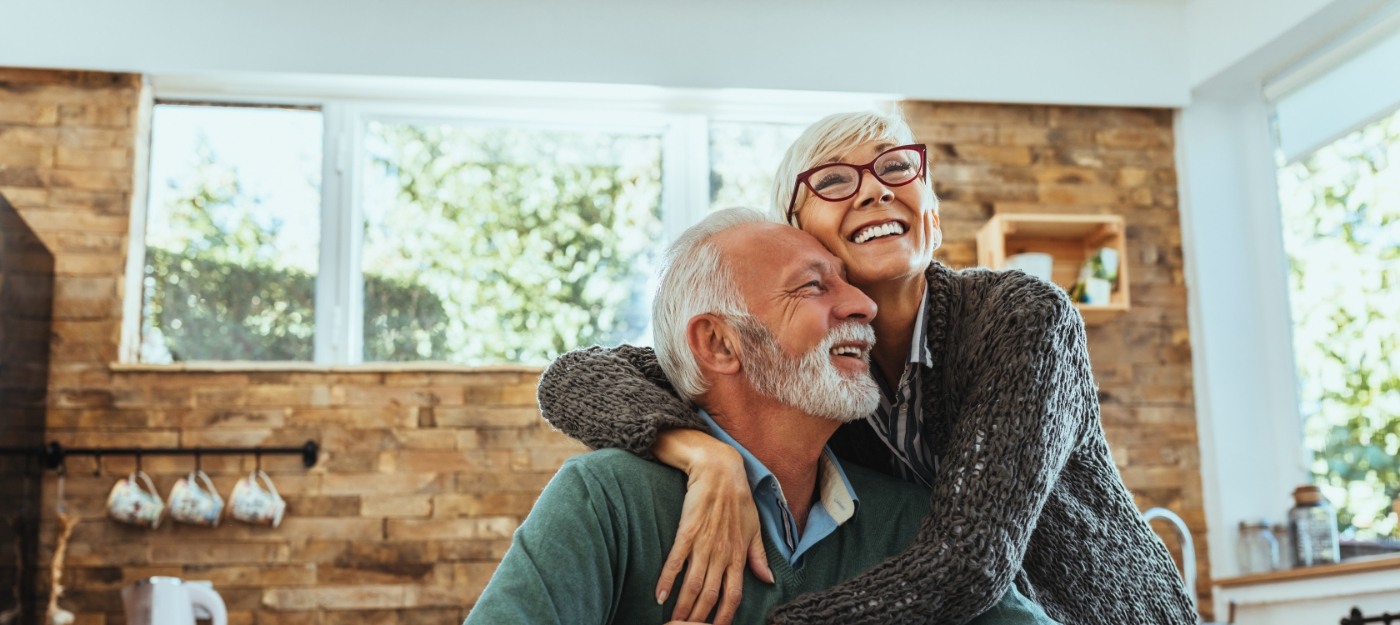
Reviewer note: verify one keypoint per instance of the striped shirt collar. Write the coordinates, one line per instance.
(919, 352)
(898, 420)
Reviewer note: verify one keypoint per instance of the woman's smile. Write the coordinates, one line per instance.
(878, 231)
(882, 232)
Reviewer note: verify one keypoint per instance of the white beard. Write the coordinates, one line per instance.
(811, 383)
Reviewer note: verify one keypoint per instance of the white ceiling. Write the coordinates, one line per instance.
(1109, 52)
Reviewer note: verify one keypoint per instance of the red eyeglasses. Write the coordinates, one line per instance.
(834, 182)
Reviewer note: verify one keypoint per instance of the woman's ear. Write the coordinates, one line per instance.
(714, 344)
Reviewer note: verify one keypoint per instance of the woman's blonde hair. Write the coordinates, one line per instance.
(827, 138)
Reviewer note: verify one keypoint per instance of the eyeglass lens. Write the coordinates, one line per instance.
(839, 181)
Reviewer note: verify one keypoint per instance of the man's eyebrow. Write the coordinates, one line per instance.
(819, 267)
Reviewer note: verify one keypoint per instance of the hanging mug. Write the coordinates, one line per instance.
(193, 500)
(255, 500)
(134, 500)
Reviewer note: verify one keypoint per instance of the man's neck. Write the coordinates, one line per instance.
(785, 440)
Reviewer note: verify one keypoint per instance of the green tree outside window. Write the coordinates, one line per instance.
(1341, 218)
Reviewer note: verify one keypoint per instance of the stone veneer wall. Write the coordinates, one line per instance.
(426, 471)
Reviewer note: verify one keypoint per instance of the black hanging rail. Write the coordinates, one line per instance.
(1357, 619)
(53, 454)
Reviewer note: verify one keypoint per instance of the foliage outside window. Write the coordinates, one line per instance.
(743, 157)
(483, 240)
(1341, 218)
(231, 234)
(518, 243)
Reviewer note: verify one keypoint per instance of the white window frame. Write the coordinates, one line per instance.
(347, 105)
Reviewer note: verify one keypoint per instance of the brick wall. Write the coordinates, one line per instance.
(425, 473)
(990, 158)
(422, 479)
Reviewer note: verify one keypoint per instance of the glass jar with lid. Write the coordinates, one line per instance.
(1257, 548)
(1312, 526)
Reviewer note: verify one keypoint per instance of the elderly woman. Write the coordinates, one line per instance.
(988, 400)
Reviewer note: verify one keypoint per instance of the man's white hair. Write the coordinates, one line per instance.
(695, 280)
(827, 138)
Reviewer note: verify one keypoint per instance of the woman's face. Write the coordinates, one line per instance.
(882, 233)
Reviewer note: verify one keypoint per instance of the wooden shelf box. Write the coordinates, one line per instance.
(1069, 240)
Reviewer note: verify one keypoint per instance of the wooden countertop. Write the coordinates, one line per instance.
(1355, 565)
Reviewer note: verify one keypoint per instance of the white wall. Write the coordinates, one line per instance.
(1246, 400)
(1246, 391)
(1221, 34)
(1122, 52)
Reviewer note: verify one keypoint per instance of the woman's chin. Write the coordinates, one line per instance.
(884, 273)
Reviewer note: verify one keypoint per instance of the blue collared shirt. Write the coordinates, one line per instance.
(836, 504)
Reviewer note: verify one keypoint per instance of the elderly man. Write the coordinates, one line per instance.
(756, 325)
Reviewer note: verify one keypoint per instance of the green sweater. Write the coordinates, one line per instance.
(591, 550)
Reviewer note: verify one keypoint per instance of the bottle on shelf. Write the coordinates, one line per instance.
(1312, 528)
(1257, 547)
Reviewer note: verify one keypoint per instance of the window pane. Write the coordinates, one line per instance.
(743, 156)
(232, 227)
(493, 244)
(1341, 218)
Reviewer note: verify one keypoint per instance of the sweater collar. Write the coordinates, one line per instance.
(939, 298)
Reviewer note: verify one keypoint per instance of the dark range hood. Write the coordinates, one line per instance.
(26, 322)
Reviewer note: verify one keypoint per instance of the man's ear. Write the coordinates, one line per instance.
(714, 344)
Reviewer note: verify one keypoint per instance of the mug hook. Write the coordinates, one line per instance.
(198, 461)
(97, 464)
(138, 462)
(257, 459)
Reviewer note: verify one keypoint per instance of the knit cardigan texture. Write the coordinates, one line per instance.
(1026, 490)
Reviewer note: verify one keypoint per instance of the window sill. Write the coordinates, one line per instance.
(248, 366)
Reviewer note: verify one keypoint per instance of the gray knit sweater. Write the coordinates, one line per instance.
(1026, 489)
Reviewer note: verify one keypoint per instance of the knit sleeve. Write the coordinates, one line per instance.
(614, 397)
(1027, 394)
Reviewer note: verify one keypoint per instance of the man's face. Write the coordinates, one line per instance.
(810, 382)
(808, 339)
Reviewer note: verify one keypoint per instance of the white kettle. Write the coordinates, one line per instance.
(172, 601)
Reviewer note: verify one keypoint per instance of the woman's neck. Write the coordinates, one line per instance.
(898, 303)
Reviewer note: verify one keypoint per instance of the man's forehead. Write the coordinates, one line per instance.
(779, 253)
(757, 236)
(816, 264)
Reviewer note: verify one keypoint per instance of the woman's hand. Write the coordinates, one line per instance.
(719, 529)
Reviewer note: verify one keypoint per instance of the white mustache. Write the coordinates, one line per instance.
(849, 332)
